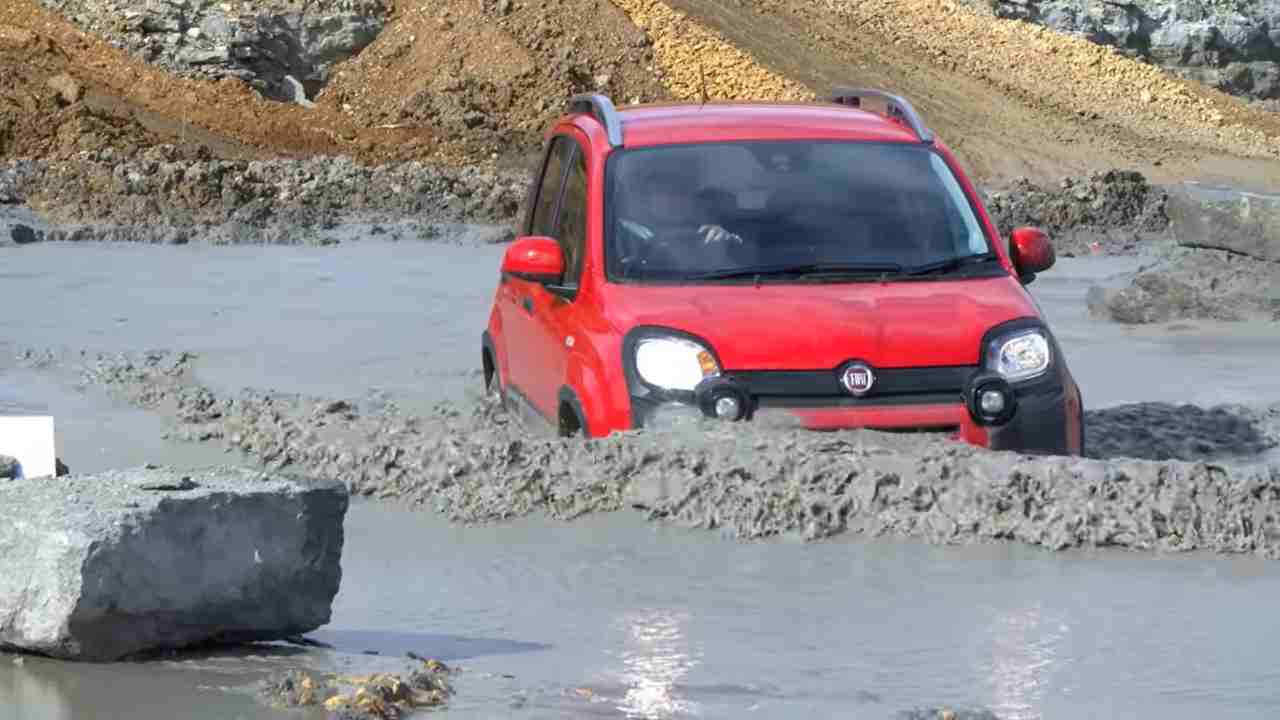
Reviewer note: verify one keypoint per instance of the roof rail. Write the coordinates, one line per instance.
(601, 107)
(897, 107)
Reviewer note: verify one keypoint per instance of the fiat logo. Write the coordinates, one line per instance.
(857, 379)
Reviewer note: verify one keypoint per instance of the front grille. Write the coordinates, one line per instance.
(822, 388)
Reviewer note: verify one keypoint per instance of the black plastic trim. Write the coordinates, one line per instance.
(889, 382)
(848, 401)
(486, 345)
(1039, 427)
(569, 397)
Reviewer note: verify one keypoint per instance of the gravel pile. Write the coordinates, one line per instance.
(476, 465)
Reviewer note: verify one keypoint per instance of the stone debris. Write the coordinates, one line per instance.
(382, 696)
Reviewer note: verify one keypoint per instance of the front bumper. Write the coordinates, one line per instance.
(1041, 423)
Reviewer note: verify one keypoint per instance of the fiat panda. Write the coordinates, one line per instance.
(827, 264)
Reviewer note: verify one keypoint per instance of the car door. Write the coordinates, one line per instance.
(517, 296)
(555, 312)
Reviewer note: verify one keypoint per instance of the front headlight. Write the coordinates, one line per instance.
(673, 363)
(1021, 356)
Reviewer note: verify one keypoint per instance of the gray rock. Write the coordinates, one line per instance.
(23, 235)
(261, 42)
(8, 467)
(1233, 46)
(1243, 223)
(100, 567)
(297, 93)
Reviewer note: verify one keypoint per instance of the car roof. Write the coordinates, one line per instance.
(672, 123)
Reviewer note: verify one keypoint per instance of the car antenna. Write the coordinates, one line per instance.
(702, 79)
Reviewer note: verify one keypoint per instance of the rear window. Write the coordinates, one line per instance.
(788, 202)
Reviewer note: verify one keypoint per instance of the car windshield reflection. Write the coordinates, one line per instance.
(789, 210)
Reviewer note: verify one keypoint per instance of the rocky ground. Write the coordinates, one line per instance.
(159, 197)
(476, 465)
(1113, 212)
(1228, 45)
(282, 48)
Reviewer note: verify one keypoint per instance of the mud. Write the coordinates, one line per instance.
(1192, 284)
(1159, 431)
(160, 198)
(475, 465)
(1111, 212)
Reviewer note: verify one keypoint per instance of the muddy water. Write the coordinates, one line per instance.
(611, 616)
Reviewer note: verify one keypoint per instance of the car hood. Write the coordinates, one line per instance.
(794, 327)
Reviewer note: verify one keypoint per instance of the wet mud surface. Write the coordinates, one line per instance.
(663, 575)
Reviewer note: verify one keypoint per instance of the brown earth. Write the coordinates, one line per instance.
(493, 74)
(462, 81)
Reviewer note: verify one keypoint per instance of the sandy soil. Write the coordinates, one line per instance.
(462, 81)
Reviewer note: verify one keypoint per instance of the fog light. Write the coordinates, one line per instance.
(727, 408)
(990, 399)
(992, 402)
(723, 398)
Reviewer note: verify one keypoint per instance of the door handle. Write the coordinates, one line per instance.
(527, 302)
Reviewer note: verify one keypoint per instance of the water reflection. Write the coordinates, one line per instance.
(656, 658)
(1023, 659)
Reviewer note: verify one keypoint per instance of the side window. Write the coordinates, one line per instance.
(549, 187)
(571, 226)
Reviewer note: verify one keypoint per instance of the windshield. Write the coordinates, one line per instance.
(716, 211)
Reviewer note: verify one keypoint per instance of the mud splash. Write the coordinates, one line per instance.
(477, 465)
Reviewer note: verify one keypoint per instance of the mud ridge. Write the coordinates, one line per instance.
(158, 197)
(476, 465)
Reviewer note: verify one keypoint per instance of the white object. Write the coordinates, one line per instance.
(30, 440)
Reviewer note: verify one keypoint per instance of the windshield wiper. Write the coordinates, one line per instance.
(950, 264)
(801, 269)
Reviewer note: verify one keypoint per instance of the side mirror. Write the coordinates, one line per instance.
(1031, 252)
(534, 258)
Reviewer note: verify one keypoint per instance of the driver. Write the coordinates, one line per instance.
(662, 199)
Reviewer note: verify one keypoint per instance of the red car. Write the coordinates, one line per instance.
(823, 264)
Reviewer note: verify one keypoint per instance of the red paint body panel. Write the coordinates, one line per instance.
(575, 346)
(812, 326)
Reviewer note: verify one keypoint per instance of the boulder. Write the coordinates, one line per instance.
(1238, 222)
(103, 567)
(22, 234)
(8, 467)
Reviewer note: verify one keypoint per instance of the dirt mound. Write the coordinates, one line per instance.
(475, 465)
(1108, 212)
(494, 73)
(226, 118)
(44, 112)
